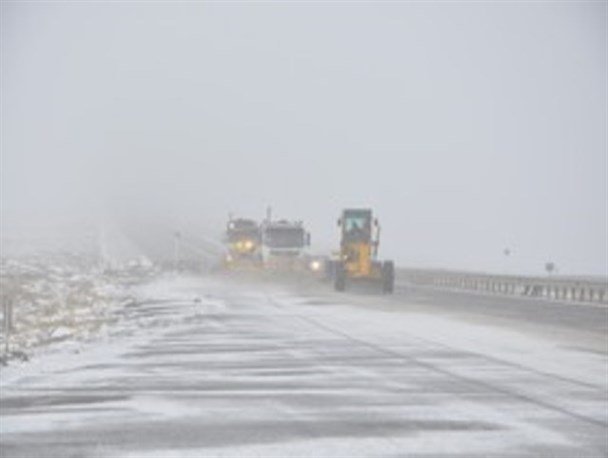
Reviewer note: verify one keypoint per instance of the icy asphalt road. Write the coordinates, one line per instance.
(211, 367)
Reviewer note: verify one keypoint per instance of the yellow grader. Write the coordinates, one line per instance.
(357, 259)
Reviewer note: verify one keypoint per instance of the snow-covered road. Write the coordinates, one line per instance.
(228, 367)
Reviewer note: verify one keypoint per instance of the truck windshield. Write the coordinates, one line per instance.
(284, 238)
(242, 234)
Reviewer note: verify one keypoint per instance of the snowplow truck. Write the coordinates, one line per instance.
(243, 242)
(357, 258)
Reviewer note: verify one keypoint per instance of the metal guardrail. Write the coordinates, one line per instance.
(561, 289)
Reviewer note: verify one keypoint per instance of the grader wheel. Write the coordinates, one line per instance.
(339, 277)
(388, 277)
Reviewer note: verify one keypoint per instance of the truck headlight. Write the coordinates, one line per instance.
(315, 266)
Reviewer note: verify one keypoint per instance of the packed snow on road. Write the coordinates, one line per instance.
(193, 366)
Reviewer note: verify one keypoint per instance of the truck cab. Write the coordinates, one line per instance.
(243, 241)
(284, 244)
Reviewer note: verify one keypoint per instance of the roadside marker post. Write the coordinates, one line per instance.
(7, 322)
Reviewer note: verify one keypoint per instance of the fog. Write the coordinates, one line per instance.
(467, 127)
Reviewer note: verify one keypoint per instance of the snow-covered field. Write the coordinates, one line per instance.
(61, 297)
(225, 367)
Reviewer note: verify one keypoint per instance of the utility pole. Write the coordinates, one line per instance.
(103, 247)
(507, 252)
(176, 242)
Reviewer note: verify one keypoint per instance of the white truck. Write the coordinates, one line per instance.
(284, 245)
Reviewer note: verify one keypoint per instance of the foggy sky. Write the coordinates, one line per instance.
(467, 127)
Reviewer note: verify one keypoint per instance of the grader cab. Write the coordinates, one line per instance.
(357, 260)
